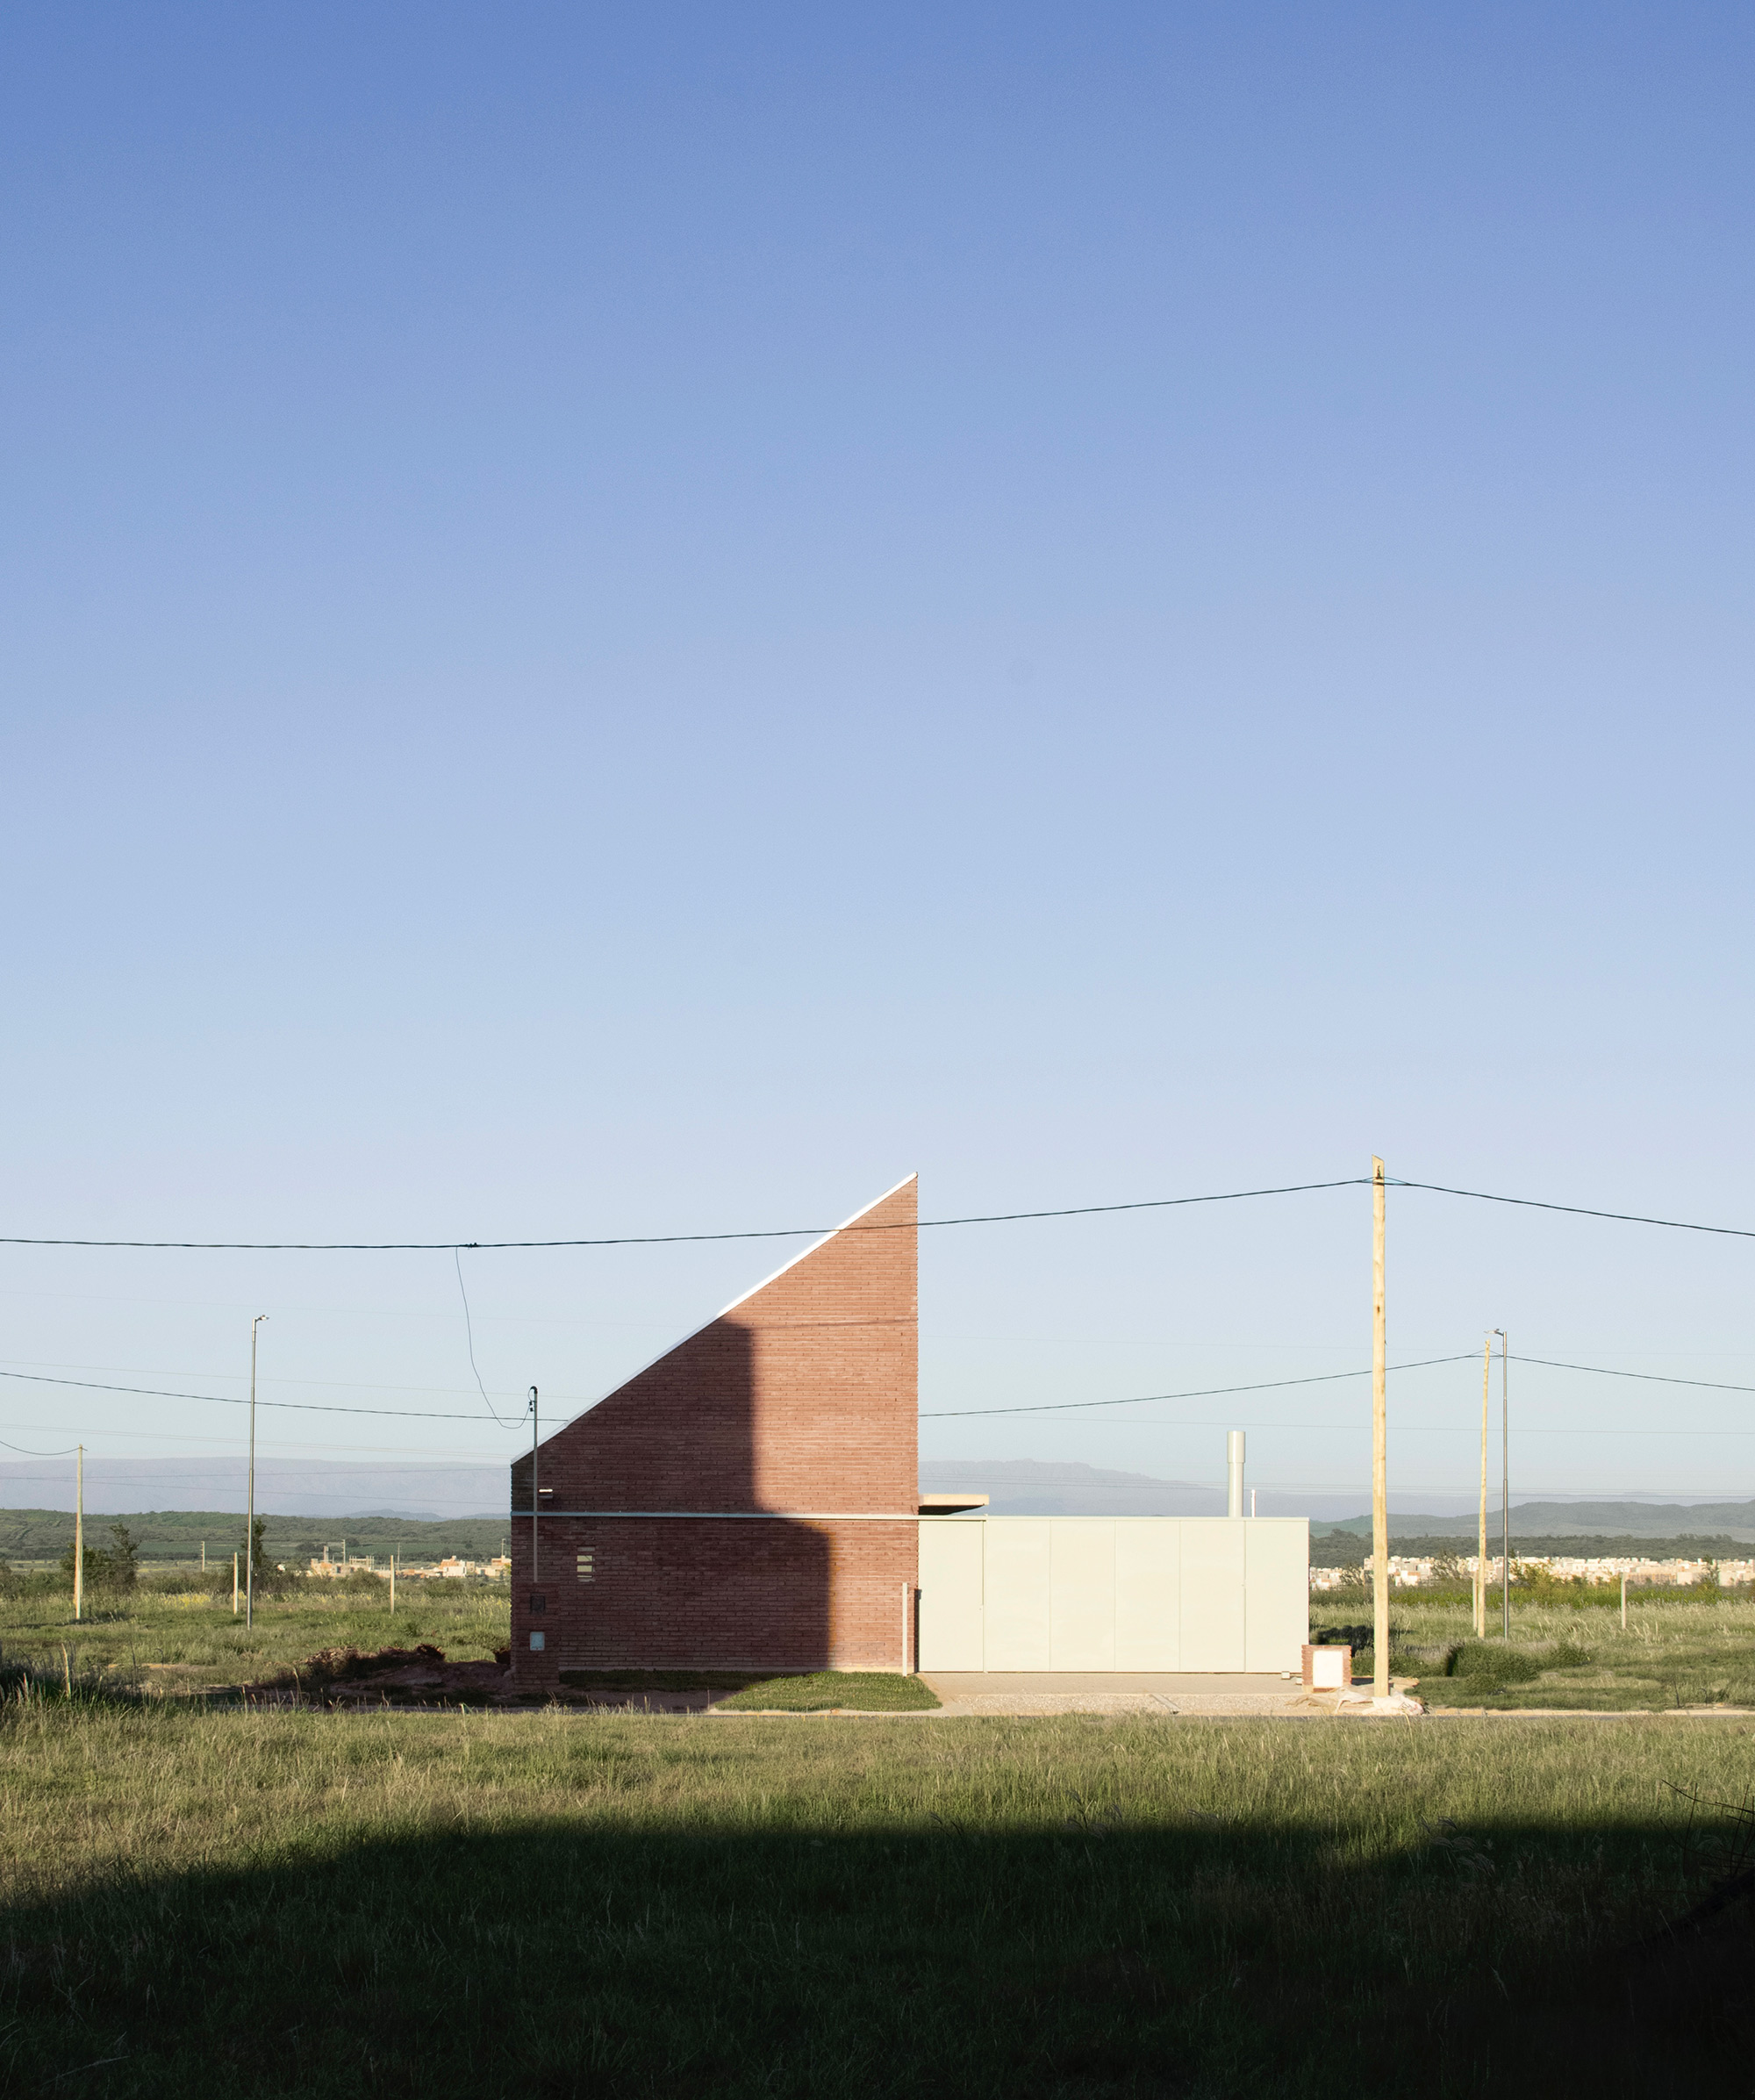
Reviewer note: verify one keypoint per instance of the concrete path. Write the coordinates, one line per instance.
(997, 1692)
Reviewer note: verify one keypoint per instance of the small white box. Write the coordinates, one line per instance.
(1328, 1669)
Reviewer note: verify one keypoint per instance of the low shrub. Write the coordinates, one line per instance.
(1489, 1665)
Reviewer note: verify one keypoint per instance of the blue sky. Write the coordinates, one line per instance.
(643, 624)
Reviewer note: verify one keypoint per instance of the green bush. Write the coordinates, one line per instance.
(114, 1567)
(1487, 1666)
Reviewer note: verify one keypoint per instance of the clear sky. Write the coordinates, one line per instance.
(638, 620)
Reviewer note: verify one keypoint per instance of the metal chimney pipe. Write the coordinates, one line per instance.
(1233, 1461)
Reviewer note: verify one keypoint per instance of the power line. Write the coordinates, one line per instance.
(1329, 1377)
(1140, 1400)
(998, 1217)
(1054, 1407)
(1655, 1378)
(1578, 1210)
(661, 1239)
(1402, 1428)
(226, 1400)
(347, 1385)
(469, 1334)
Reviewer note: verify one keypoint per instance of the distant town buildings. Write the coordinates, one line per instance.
(453, 1567)
(341, 1562)
(1408, 1572)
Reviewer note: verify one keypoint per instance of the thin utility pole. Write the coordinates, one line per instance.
(79, 1534)
(250, 1510)
(1379, 1451)
(1505, 1476)
(392, 1583)
(1480, 1551)
(533, 1441)
(234, 1586)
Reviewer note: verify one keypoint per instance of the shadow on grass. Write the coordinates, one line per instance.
(1092, 1959)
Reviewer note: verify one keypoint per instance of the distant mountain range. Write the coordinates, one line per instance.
(315, 1487)
(1572, 1520)
(37, 1537)
(339, 1488)
(1064, 1488)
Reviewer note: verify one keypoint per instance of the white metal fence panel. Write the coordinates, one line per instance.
(1018, 1578)
(951, 1596)
(1213, 1628)
(1148, 1595)
(1278, 1607)
(1082, 1598)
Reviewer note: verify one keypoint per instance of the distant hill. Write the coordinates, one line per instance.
(1733, 1523)
(1066, 1488)
(1063, 1487)
(178, 1535)
(325, 1488)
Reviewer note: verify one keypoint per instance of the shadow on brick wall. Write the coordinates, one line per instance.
(667, 1591)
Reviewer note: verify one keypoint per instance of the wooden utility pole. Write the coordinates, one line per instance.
(1480, 1551)
(78, 1534)
(1379, 1451)
(250, 1500)
(1505, 1478)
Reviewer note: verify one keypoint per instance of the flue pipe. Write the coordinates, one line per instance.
(1233, 1461)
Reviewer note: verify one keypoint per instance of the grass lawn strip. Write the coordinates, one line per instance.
(832, 1691)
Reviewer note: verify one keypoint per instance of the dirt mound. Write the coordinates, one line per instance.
(418, 1676)
(421, 1676)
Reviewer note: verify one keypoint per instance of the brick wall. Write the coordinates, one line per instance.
(800, 1398)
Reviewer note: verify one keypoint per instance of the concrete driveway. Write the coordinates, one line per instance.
(1114, 1692)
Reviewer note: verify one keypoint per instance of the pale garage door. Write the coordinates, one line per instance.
(1094, 1593)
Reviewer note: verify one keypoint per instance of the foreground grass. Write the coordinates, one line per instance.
(1673, 1653)
(185, 1641)
(294, 1904)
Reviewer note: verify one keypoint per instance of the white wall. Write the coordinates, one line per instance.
(1125, 1592)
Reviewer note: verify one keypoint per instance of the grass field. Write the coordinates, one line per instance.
(298, 1903)
(1673, 1653)
(548, 1905)
(182, 1641)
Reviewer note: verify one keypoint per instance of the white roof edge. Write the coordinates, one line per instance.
(732, 1308)
(864, 1210)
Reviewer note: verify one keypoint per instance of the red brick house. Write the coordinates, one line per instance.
(750, 1501)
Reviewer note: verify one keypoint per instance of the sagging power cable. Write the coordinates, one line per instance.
(230, 1400)
(667, 1239)
(470, 1333)
(782, 1232)
(1141, 1400)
